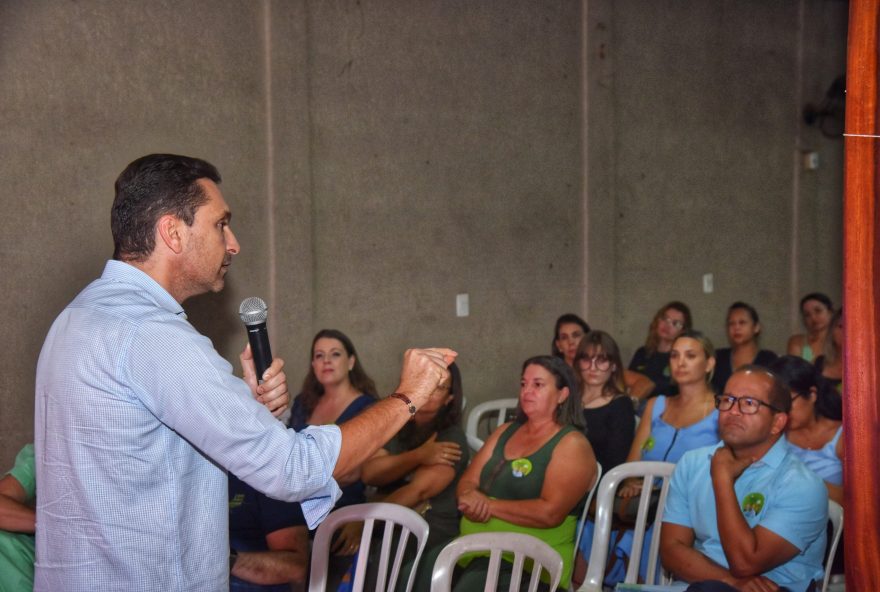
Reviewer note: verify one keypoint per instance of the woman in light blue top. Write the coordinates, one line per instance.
(814, 424)
(686, 421)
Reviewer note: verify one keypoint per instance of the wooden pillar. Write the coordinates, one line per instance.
(862, 301)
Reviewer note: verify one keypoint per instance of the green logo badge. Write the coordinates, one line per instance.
(236, 501)
(648, 446)
(752, 504)
(521, 467)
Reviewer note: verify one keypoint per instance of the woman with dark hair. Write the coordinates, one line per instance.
(743, 329)
(336, 389)
(608, 411)
(530, 476)
(420, 467)
(814, 426)
(816, 311)
(652, 359)
(830, 364)
(567, 335)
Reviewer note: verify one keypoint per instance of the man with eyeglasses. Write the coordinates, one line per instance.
(746, 514)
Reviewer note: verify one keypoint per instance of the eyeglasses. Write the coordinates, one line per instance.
(600, 363)
(673, 322)
(747, 405)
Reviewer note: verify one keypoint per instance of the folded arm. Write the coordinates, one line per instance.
(426, 482)
(15, 514)
(384, 468)
(570, 473)
(287, 559)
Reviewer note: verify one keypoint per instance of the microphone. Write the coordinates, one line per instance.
(253, 312)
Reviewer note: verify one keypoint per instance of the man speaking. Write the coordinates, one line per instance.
(138, 417)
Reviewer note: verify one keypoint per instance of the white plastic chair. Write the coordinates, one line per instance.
(394, 515)
(496, 407)
(835, 514)
(523, 547)
(649, 471)
(583, 520)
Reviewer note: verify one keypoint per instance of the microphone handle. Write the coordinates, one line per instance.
(258, 337)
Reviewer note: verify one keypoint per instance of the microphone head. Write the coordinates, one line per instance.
(253, 311)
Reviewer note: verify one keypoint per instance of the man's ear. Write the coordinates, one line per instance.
(169, 231)
(780, 420)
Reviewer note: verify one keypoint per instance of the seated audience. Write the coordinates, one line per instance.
(420, 467)
(743, 330)
(608, 411)
(268, 539)
(531, 476)
(652, 359)
(335, 390)
(670, 427)
(814, 426)
(567, 334)
(816, 311)
(746, 514)
(17, 518)
(830, 364)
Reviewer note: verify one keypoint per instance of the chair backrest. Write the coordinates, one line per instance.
(400, 523)
(649, 471)
(583, 520)
(835, 514)
(496, 409)
(523, 547)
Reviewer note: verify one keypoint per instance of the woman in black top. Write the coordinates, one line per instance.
(652, 359)
(608, 411)
(743, 329)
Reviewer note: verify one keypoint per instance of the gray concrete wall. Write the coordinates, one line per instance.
(695, 143)
(382, 157)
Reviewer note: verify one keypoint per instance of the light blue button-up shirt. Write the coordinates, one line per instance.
(137, 418)
(777, 492)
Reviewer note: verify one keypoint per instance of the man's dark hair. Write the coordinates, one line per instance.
(779, 395)
(149, 188)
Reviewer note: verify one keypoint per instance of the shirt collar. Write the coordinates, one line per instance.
(773, 457)
(119, 271)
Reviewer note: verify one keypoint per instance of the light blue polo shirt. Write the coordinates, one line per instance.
(778, 492)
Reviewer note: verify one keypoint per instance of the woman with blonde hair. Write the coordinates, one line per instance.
(652, 359)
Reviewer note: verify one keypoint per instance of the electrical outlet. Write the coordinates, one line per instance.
(462, 305)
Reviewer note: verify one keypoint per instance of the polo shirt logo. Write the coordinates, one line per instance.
(752, 504)
(648, 445)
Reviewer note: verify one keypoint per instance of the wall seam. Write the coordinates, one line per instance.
(794, 290)
(585, 147)
(272, 246)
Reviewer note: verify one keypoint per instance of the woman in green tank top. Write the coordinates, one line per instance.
(531, 475)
